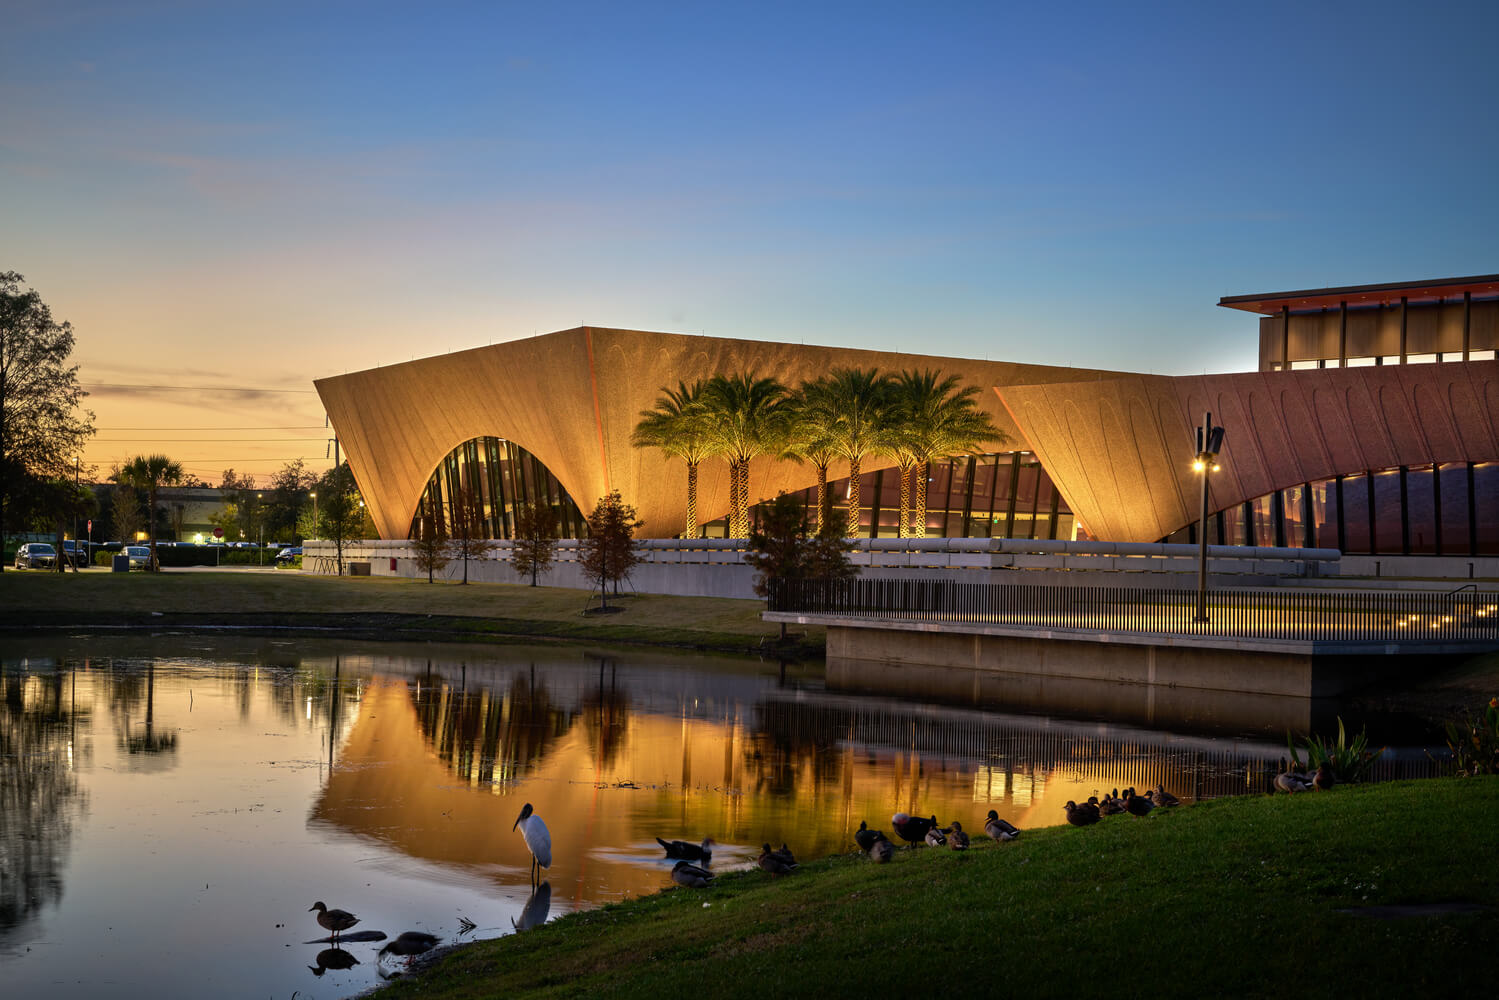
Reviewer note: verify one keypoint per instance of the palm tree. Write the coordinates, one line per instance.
(678, 427)
(746, 417)
(149, 473)
(810, 439)
(932, 419)
(857, 401)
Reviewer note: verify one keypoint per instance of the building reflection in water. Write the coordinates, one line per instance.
(614, 751)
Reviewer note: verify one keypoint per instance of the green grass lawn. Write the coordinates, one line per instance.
(261, 599)
(1240, 897)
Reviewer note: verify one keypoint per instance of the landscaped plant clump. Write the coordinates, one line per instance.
(1475, 741)
(1348, 762)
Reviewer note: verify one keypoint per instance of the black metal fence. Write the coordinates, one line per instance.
(1378, 616)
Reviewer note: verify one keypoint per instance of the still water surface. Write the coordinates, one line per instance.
(170, 808)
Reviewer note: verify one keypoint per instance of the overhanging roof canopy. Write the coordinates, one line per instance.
(1269, 303)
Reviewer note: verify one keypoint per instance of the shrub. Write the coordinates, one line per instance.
(1475, 742)
(1348, 762)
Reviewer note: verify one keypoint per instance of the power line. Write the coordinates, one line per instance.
(202, 440)
(191, 388)
(294, 427)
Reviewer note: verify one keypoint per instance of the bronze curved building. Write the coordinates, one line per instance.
(1373, 426)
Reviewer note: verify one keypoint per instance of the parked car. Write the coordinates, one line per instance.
(36, 555)
(140, 556)
(288, 555)
(77, 552)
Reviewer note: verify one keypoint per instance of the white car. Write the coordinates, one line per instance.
(140, 556)
(36, 555)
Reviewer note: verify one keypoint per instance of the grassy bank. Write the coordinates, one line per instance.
(1241, 897)
(384, 606)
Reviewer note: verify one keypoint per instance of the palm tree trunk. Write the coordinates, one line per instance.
(853, 496)
(737, 527)
(905, 502)
(740, 486)
(918, 521)
(824, 500)
(690, 530)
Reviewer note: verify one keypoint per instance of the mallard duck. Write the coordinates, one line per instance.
(999, 829)
(685, 851)
(1111, 805)
(333, 958)
(336, 921)
(1080, 815)
(784, 854)
(1137, 805)
(410, 943)
(685, 873)
(1324, 779)
(865, 837)
(936, 836)
(1162, 798)
(911, 829)
(956, 838)
(881, 850)
(1291, 782)
(774, 863)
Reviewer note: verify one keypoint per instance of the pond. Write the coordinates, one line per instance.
(172, 806)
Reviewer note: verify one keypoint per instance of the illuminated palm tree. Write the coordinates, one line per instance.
(859, 401)
(678, 427)
(810, 439)
(746, 417)
(931, 419)
(149, 473)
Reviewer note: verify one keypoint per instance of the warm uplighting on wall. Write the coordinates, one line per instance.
(140, 536)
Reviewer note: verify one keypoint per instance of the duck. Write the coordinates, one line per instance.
(956, 838)
(1111, 805)
(999, 829)
(410, 943)
(936, 836)
(784, 854)
(333, 958)
(881, 850)
(1162, 798)
(865, 837)
(336, 921)
(1080, 815)
(1324, 779)
(774, 863)
(911, 829)
(1291, 782)
(685, 873)
(1137, 805)
(685, 851)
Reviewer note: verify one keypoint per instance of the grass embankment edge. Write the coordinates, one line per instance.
(1245, 896)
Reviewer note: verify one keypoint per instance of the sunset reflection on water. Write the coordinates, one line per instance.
(182, 801)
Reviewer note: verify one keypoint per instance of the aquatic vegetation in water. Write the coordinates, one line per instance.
(1348, 762)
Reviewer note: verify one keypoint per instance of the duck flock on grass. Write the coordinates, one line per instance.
(691, 870)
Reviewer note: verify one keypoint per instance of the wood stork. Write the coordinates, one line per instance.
(538, 840)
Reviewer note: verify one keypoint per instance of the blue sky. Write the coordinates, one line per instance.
(214, 192)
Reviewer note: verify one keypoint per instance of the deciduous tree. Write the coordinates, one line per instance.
(340, 507)
(431, 545)
(467, 538)
(535, 539)
(608, 553)
(42, 424)
(781, 547)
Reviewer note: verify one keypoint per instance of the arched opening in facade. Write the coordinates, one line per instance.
(489, 477)
(996, 495)
(1450, 509)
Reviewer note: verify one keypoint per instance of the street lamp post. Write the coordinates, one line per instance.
(259, 531)
(314, 513)
(1209, 444)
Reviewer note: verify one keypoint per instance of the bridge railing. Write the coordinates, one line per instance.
(1267, 614)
